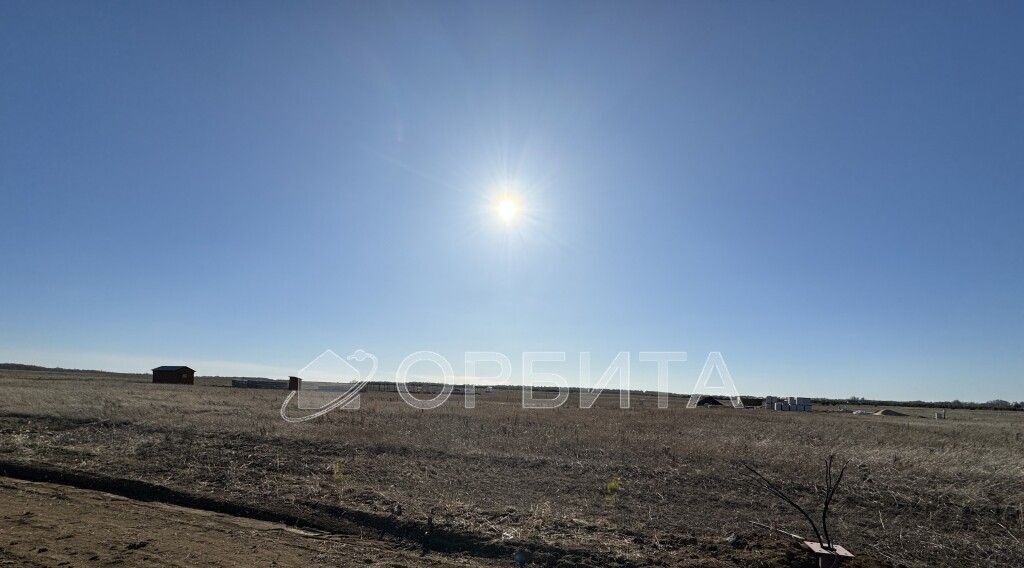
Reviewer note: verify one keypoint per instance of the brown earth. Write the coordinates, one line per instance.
(480, 483)
(43, 524)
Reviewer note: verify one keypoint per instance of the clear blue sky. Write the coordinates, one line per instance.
(828, 193)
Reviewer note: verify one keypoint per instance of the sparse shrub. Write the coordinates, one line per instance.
(611, 491)
(338, 472)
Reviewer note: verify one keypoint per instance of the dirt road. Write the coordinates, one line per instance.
(42, 524)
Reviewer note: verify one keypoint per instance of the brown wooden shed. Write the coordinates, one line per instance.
(174, 375)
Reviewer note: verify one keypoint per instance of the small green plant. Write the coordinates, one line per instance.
(612, 488)
(338, 472)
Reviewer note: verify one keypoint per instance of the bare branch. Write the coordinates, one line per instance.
(832, 487)
(768, 485)
(828, 492)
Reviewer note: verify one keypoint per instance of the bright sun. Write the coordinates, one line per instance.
(508, 209)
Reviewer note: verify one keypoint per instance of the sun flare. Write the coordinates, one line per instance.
(508, 209)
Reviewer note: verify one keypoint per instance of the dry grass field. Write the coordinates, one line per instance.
(572, 487)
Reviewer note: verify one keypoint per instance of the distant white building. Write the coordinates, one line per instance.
(788, 404)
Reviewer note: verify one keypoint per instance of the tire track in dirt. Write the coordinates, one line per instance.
(314, 515)
(50, 525)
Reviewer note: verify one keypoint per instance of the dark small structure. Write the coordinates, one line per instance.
(706, 400)
(294, 383)
(258, 384)
(752, 401)
(174, 375)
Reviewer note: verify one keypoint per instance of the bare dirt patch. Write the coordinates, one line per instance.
(44, 524)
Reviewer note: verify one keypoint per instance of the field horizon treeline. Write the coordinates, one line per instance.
(995, 404)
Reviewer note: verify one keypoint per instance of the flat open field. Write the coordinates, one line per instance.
(389, 485)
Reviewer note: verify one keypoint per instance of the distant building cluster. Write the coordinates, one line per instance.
(788, 404)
